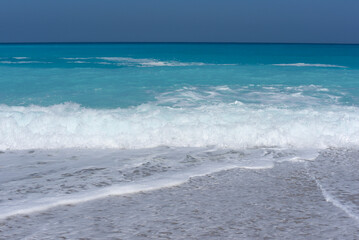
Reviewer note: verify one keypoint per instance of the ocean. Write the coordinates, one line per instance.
(179, 141)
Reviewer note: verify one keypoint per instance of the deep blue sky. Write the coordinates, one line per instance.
(294, 21)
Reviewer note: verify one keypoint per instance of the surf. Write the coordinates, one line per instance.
(227, 125)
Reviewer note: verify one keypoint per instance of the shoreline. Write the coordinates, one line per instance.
(281, 202)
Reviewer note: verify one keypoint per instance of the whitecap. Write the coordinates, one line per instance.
(19, 58)
(309, 65)
(225, 125)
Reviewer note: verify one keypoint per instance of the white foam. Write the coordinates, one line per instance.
(146, 62)
(149, 125)
(23, 207)
(142, 62)
(19, 58)
(78, 62)
(306, 95)
(329, 198)
(257, 167)
(47, 203)
(309, 65)
(303, 156)
(76, 58)
(222, 88)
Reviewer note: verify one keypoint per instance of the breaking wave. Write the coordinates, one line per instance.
(232, 125)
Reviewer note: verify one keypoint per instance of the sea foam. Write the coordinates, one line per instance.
(229, 125)
(146, 62)
(309, 65)
(42, 204)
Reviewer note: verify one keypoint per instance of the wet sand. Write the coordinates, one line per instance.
(284, 202)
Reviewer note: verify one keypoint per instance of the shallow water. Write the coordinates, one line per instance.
(284, 201)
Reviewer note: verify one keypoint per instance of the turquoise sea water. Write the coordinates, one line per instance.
(83, 122)
(109, 93)
(124, 75)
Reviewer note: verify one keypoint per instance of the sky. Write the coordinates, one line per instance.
(273, 21)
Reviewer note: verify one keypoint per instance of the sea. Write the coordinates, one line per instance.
(179, 141)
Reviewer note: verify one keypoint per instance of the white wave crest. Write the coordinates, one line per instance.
(145, 62)
(224, 125)
(19, 58)
(309, 65)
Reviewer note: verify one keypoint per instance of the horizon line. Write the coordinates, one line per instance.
(172, 42)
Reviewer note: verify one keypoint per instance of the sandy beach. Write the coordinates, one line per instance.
(283, 202)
